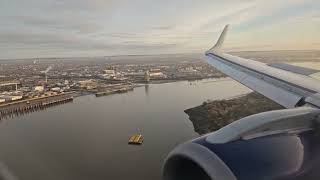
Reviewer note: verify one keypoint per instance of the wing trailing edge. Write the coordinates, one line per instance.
(294, 69)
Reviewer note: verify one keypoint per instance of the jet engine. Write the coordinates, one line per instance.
(281, 144)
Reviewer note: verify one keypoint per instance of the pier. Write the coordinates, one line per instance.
(115, 91)
(18, 108)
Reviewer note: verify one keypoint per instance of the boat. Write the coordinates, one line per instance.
(104, 93)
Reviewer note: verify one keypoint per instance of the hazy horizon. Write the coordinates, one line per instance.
(161, 54)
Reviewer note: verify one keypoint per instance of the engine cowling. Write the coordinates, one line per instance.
(279, 144)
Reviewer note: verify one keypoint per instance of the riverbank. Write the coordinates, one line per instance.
(123, 89)
(211, 116)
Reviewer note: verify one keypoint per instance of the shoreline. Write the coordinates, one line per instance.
(211, 116)
(137, 85)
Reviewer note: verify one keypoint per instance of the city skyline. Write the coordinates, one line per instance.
(101, 28)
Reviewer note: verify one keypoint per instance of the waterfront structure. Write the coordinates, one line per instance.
(147, 76)
(20, 107)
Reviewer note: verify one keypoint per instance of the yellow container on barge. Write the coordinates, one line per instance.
(136, 139)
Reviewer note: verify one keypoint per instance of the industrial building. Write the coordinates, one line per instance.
(9, 86)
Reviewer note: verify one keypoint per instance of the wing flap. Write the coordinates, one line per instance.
(294, 69)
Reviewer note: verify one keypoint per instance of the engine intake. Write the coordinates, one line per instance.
(280, 144)
(180, 167)
(192, 161)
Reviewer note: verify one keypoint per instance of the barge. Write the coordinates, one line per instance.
(136, 139)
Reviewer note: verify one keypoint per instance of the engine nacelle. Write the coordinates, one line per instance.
(282, 144)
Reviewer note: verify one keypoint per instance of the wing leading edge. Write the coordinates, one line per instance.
(286, 88)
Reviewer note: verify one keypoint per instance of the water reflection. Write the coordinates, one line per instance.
(146, 89)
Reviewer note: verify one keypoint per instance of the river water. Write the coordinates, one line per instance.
(87, 139)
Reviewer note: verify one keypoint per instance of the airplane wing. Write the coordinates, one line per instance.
(282, 85)
(279, 144)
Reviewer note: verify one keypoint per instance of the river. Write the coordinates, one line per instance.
(87, 139)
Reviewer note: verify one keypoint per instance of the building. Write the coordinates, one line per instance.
(88, 84)
(14, 98)
(10, 98)
(189, 69)
(10, 86)
(56, 89)
(147, 76)
(110, 72)
(39, 88)
(156, 73)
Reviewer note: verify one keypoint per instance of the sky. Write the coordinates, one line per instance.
(74, 28)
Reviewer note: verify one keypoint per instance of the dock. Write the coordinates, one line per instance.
(136, 139)
(104, 93)
(21, 107)
(115, 91)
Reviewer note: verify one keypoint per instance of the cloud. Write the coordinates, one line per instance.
(162, 27)
(69, 23)
(102, 27)
(51, 44)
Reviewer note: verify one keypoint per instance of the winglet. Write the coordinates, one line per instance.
(220, 41)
